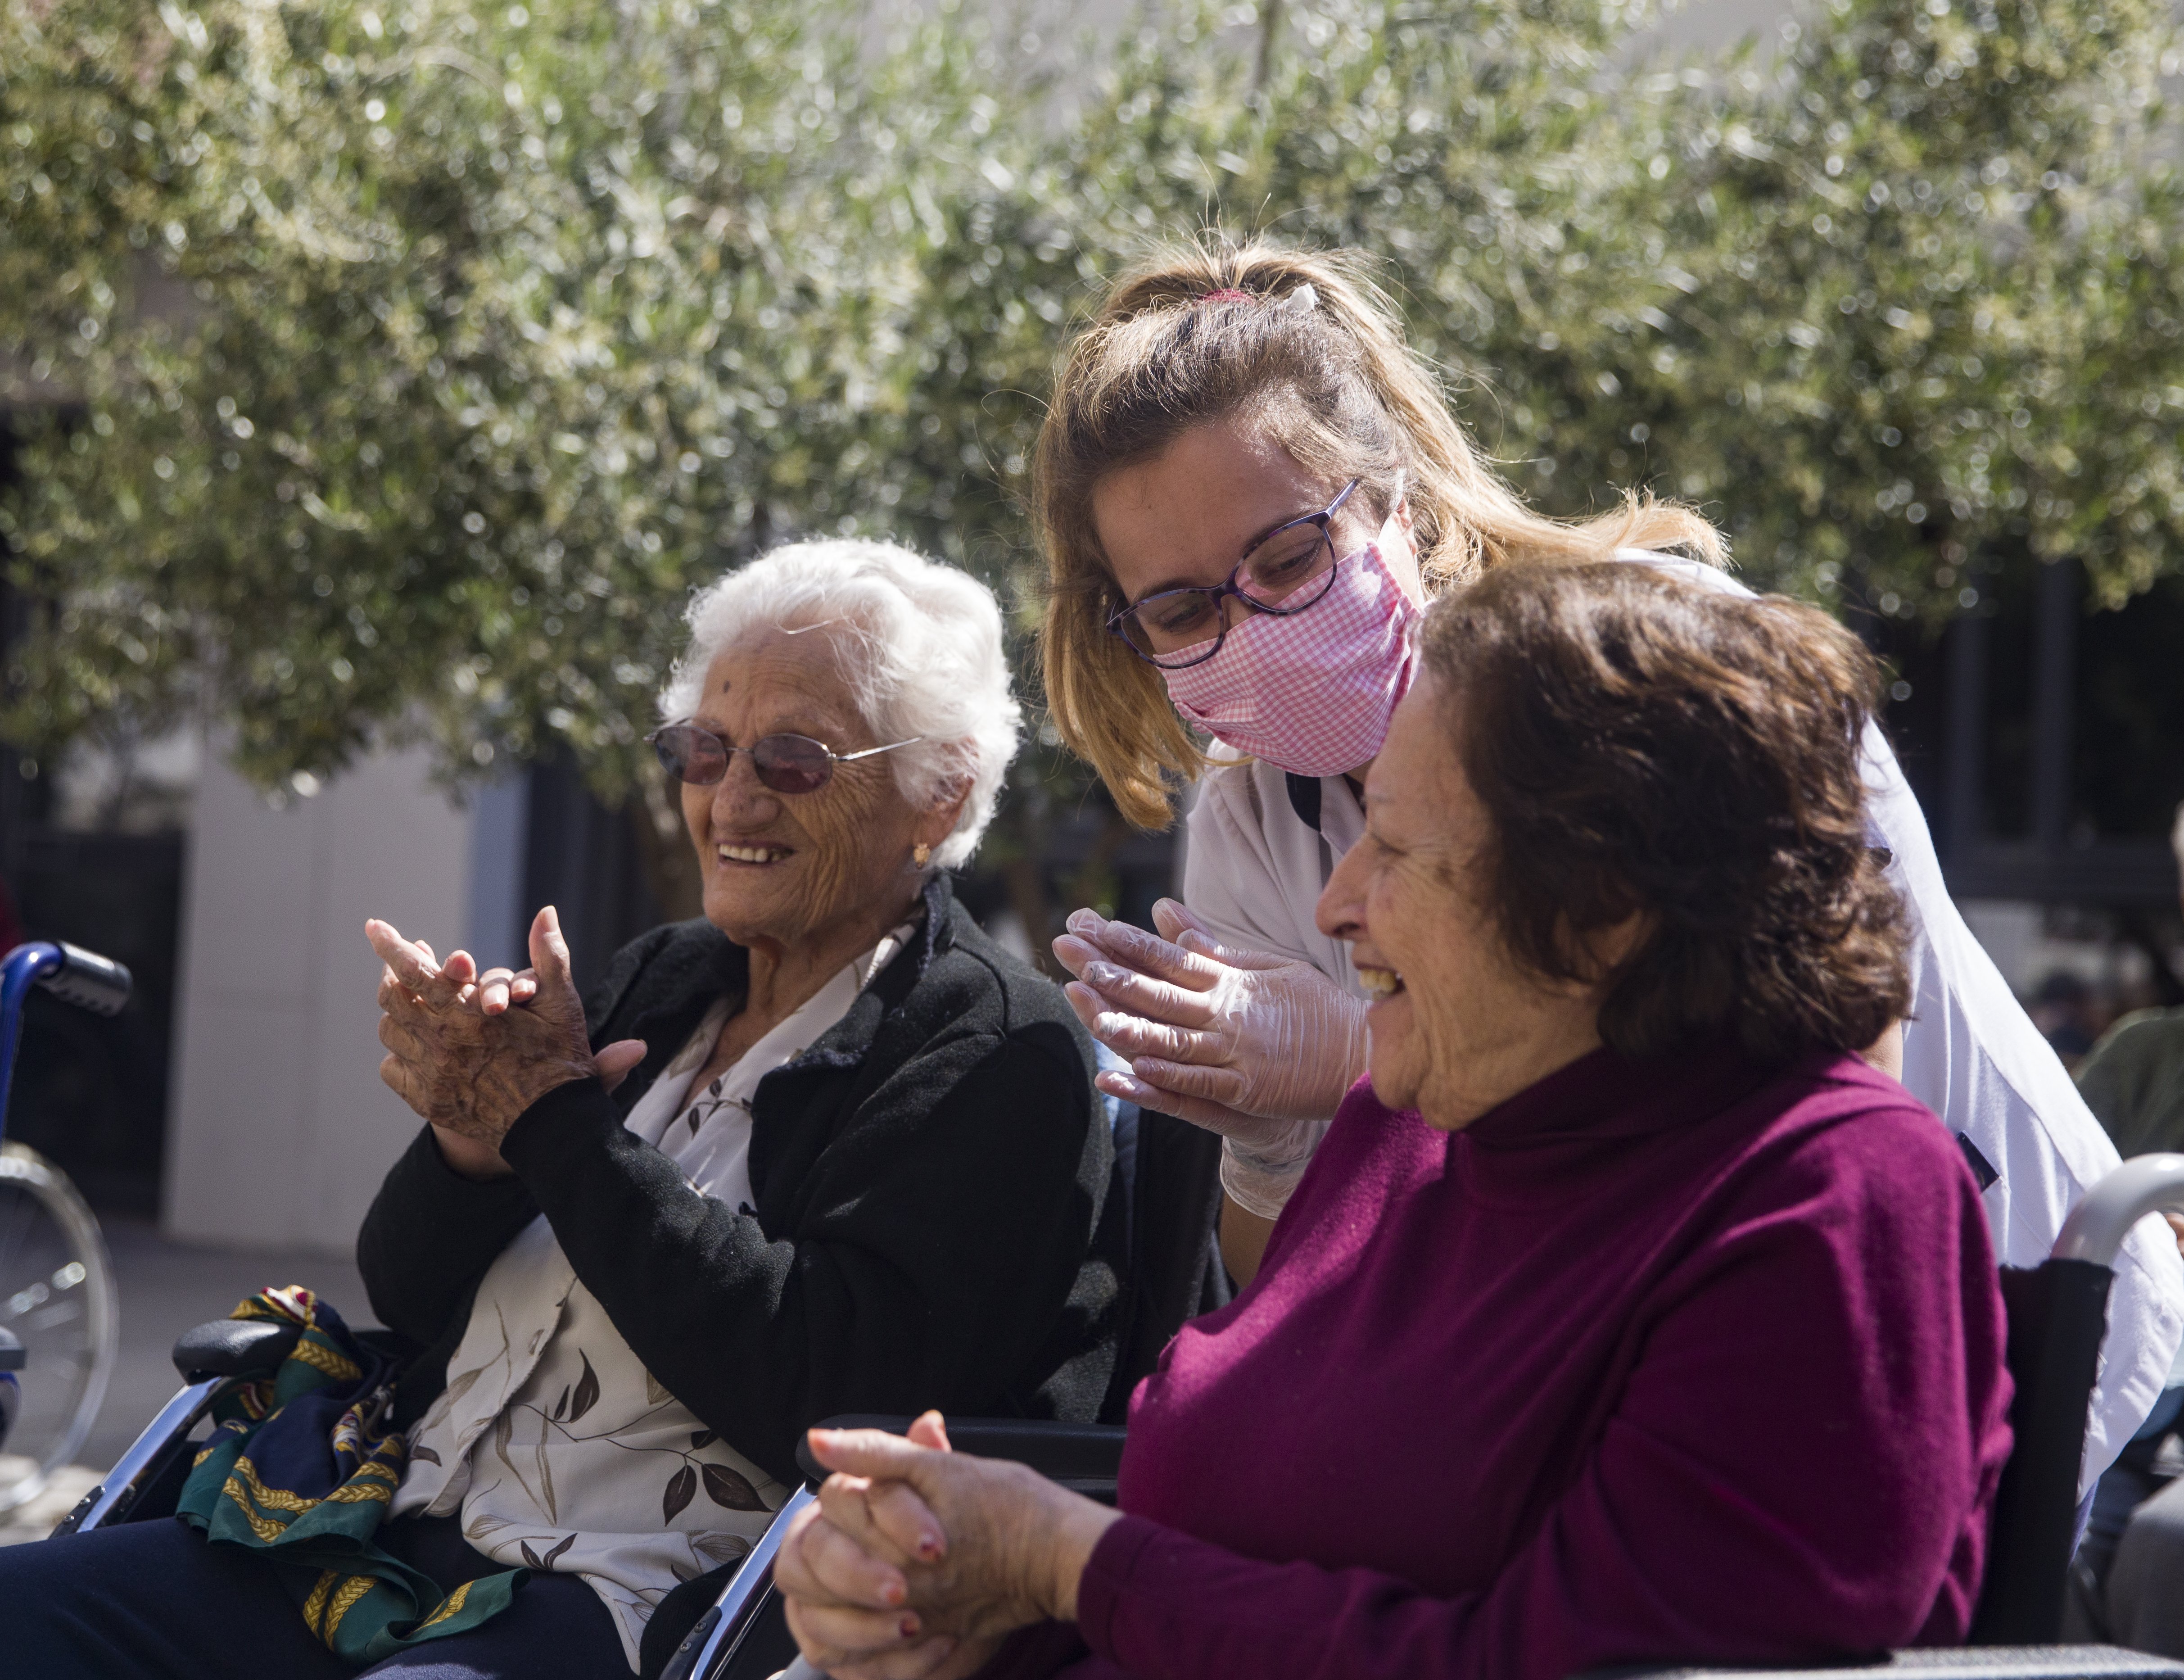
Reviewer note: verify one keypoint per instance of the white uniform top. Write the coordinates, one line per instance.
(1253, 870)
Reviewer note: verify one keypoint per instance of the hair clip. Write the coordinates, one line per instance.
(1228, 294)
(1302, 300)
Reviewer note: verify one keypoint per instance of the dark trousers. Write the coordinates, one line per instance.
(153, 1601)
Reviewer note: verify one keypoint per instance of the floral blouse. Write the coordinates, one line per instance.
(560, 1449)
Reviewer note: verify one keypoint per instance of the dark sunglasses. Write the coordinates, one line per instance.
(692, 753)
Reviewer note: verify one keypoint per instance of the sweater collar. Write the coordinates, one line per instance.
(1603, 1095)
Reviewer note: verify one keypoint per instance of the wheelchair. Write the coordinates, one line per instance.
(59, 1325)
(2057, 1317)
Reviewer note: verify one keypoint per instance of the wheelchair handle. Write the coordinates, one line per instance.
(77, 976)
(85, 979)
(2097, 1227)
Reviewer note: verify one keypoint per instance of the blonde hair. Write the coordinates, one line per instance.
(1326, 372)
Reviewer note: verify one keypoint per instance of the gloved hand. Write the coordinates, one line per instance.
(1258, 1047)
(1259, 1179)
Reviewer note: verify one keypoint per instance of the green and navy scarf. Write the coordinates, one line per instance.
(301, 1468)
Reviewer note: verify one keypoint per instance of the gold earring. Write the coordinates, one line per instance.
(919, 853)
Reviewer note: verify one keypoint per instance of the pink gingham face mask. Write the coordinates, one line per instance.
(1312, 693)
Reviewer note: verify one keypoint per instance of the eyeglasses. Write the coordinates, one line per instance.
(692, 753)
(1289, 569)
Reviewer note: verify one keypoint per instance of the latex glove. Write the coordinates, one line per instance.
(1258, 1047)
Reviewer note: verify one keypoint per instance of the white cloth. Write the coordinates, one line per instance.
(1254, 871)
(560, 1450)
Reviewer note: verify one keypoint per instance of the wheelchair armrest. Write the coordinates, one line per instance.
(233, 1348)
(1084, 1457)
(1957, 1662)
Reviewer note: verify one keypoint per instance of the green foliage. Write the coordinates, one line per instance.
(428, 351)
(494, 332)
(1921, 302)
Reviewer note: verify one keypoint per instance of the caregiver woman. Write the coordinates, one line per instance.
(1248, 486)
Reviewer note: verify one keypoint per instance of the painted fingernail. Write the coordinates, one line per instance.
(928, 1546)
(909, 1625)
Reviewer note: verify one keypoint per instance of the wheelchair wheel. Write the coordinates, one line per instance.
(57, 1296)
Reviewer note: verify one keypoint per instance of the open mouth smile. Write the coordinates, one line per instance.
(754, 855)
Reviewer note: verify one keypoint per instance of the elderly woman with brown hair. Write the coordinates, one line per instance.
(1626, 1314)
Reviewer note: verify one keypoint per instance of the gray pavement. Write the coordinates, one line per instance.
(165, 1287)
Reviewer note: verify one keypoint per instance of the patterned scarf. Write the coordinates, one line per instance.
(301, 1467)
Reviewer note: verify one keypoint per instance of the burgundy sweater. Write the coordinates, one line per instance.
(1693, 1359)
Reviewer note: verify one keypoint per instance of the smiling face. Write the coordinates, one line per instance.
(1184, 518)
(1457, 1026)
(784, 870)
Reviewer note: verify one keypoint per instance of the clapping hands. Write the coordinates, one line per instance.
(1244, 1043)
(470, 1051)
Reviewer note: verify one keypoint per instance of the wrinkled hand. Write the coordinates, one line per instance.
(916, 1561)
(1241, 1042)
(461, 1056)
(499, 988)
(847, 1554)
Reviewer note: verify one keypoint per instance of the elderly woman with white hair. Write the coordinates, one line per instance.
(827, 1149)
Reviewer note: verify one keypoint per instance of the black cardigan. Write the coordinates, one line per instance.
(933, 1226)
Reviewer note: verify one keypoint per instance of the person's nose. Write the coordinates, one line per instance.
(740, 799)
(1341, 913)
